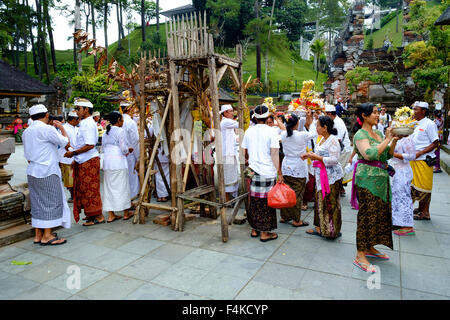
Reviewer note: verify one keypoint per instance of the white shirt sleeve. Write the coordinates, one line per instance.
(228, 124)
(122, 142)
(275, 140)
(244, 144)
(432, 132)
(88, 135)
(133, 134)
(408, 150)
(56, 138)
(334, 151)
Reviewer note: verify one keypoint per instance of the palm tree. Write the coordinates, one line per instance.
(317, 48)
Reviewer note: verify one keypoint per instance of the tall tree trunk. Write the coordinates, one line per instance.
(16, 50)
(93, 27)
(157, 16)
(87, 13)
(258, 45)
(316, 35)
(143, 20)
(105, 26)
(121, 19)
(42, 43)
(74, 47)
(118, 26)
(78, 27)
(266, 53)
(35, 58)
(50, 34)
(25, 55)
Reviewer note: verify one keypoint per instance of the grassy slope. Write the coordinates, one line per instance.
(389, 28)
(282, 68)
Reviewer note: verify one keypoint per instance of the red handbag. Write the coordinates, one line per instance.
(281, 196)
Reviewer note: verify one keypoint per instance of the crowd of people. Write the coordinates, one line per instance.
(311, 152)
(388, 173)
(65, 155)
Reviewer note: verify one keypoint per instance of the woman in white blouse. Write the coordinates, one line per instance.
(294, 169)
(115, 168)
(402, 204)
(328, 175)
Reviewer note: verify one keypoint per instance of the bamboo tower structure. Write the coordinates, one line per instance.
(192, 72)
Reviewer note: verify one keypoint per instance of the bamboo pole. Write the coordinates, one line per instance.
(142, 123)
(201, 45)
(152, 157)
(218, 136)
(176, 122)
(242, 106)
(189, 160)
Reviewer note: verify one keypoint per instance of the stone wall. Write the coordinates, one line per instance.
(348, 47)
(349, 53)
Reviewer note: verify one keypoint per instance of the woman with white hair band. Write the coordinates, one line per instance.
(261, 147)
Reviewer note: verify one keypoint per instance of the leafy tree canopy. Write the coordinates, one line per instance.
(94, 87)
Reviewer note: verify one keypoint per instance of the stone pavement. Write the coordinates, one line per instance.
(125, 261)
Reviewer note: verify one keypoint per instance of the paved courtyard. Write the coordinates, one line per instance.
(125, 261)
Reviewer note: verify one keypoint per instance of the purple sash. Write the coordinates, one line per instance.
(375, 163)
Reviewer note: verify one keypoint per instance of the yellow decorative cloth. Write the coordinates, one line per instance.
(422, 176)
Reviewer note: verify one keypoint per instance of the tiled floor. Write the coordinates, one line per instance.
(126, 261)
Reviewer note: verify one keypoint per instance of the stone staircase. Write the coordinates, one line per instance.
(445, 158)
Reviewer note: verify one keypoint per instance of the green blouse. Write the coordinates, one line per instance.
(374, 179)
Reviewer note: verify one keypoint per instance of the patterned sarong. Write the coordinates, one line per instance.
(374, 222)
(46, 198)
(260, 186)
(67, 174)
(327, 211)
(298, 185)
(86, 189)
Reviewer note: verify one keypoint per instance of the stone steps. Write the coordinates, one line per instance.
(445, 158)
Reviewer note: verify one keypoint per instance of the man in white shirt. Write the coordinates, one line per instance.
(132, 136)
(426, 140)
(66, 163)
(230, 165)
(261, 146)
(49, 207)
(385, 119)
(343, 137)
(86, 188)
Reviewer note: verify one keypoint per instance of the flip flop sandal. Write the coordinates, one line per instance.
(331, 238)
(421, 217)
(315, 233)
(378, 256)
(363, 266)
(115, 218)
(304, 224)
(51, 242)
(128, 218)
(269, 239)
(53, 234)
(255, 236)
(284, 221)
(95, 221)
(405, 233)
